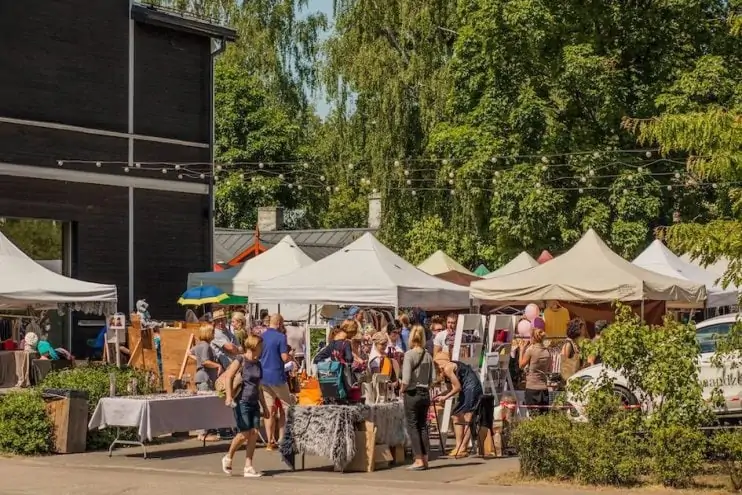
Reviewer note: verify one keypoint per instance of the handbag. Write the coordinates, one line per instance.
(221, 382)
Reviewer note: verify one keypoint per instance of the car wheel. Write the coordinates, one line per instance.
(625, 395)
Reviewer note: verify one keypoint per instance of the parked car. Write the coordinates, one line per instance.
(729, 378)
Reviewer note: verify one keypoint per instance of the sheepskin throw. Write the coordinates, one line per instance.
(329, 430)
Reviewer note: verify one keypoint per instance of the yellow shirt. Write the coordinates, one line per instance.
(556, 321)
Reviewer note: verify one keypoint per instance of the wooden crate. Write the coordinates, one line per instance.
(70, 419)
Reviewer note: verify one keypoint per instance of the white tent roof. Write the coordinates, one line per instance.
(589, 272)
(718, 268)
(439, 263)
(366, 273)
(523, 261)
(658, 258)
(283, 258)
(24, 283)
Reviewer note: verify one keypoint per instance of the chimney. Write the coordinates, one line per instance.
(270, 218)
(374, 211)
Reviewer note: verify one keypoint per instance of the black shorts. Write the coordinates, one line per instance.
(247, 416)
(537, 401)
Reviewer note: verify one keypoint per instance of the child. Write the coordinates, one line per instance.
(503, 419)
(248, 403)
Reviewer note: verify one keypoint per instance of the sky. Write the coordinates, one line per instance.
(323, 109)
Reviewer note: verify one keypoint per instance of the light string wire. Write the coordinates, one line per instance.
(409, 179)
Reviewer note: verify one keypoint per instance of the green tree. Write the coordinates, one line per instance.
(39, 239)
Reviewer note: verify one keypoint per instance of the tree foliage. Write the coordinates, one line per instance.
(39, 239)
(442, 88)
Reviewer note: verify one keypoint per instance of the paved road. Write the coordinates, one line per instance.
(25, 477)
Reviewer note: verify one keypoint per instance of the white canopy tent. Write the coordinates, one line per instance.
(365, 273)
(589, 273)
(658, 258)
(718, 268)
(523, 261)
(283, 258)
(25, 283)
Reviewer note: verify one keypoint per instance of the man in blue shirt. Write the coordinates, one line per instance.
(274, 356)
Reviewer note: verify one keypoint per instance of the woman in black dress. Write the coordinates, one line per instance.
(465, 383)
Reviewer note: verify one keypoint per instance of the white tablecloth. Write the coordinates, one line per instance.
(153, 416)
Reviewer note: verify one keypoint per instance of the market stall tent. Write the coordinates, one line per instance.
(365, 273)
(718, 268)
(25, 283)
(523, 261)
(441, 265)
(544, 257)
(588, 273)
(658, 258)
(481, 270)
(283, 258)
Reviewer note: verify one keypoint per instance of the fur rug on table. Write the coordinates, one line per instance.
(329, 431)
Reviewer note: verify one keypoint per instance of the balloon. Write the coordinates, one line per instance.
(524, 329)
(539, 322)
(532, 311)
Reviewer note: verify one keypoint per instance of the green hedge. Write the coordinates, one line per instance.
(94, 380)
(25, 428)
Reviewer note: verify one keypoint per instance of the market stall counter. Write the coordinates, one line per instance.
(155, 415)
(337, 432)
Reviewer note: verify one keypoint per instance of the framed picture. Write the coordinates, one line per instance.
(116, 333)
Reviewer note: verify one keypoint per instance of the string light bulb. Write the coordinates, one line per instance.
(98, 164)
(669, 188)
(450, 182)
(453, 192)
(203, 176)
(60, 162)
(406, 172)
(450, 174)
(177, 167)
(305, 165)
(218, 168)
(180, 176)
(409, 182)
(397, 163)
(137, 165)
(261, 165)
(126, 169)
(350, 166)
(544, 159)
(164, 170)
(493, 159)
(445, 162)
(298, 186)
(648, 154)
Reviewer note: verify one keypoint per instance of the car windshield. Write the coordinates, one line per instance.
(707, 336)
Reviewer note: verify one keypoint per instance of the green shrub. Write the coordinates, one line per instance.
(546, 446)
(25, 428)
(677, 454)
(727, 447)
(95, 381)
(610, 454)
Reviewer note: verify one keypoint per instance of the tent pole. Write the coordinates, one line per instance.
(642, 310)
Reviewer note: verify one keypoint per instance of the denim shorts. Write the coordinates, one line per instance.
(247, 416)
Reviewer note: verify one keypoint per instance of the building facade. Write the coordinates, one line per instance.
(90, 92)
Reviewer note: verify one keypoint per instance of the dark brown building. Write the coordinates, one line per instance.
(122, 84)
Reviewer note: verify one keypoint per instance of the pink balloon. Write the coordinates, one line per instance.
(524, 329)
(532, 312)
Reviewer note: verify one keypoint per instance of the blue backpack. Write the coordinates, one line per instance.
(331, 378)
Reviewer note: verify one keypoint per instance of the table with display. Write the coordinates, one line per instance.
(160, 414)
(337, 432)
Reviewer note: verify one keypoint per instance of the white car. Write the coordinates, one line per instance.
(729, 378)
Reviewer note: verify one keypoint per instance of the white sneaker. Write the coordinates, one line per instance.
(227, 465)
(250, 472)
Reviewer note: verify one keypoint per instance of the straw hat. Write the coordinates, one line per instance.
(219, 314)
